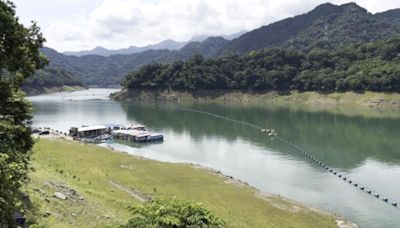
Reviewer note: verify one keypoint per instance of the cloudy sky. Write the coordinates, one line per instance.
(71, 25)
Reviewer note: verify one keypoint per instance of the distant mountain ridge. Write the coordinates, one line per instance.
(327, 26)
(163, 45)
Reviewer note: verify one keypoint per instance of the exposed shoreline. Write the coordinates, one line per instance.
(349, 103)
(290, 205)
(49, 90)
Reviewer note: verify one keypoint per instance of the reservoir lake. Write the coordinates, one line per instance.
(364, 149)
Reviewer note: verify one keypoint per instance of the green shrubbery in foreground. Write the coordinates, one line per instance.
(171, 212)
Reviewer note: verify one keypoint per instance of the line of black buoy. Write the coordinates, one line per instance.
(221, 117)
(297, 148)
(339, 175)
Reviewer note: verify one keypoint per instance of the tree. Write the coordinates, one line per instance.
(170, 212)
(19, 58)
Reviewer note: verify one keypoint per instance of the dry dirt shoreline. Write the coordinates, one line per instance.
(49, 90)
(349, 103)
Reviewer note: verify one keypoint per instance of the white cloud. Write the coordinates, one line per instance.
(121, 23)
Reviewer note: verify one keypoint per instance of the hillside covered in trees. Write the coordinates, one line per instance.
(327, 26)
(372, 66)
(49, 78)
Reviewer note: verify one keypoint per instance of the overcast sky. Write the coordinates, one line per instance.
(71, 25)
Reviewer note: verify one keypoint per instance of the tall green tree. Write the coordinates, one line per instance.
(19, 58)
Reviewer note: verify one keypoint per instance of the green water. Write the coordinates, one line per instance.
(367, 150)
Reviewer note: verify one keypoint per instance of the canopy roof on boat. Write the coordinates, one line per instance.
(92, 128)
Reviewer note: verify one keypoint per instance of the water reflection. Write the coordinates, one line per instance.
(343, 142)
(365, 149)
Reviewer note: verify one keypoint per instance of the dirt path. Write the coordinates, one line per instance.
(135, 194)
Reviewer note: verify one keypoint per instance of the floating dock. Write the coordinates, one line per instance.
(132, 133)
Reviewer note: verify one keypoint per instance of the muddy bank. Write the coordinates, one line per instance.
(346, 102)
(48, 90)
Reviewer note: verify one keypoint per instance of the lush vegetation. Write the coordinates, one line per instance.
(48, 78)
(327, 26)
(172, 213)
(100, 70)
(110, 71)
(110, 182)
(373, 66)
(19, 58)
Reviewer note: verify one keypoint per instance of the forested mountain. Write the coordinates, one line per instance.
(371, 66)
(390, 17)
(327, 25)
(100, 70)
(110, 71)
(49, 78)
(207, 48)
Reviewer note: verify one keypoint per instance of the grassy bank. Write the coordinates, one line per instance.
(46, 90)
(101, 183)
(349, 103)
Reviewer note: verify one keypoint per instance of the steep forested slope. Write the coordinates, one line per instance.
(371, 66)
(49, 78)
(327, 25)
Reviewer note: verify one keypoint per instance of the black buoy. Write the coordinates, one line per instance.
(385, 199)
(376, 195)
(344, 178)
(355, 184)
(340, 175)
(362, 187)
(334, 172)
(394, 204)
(369, 191)
(350, 181)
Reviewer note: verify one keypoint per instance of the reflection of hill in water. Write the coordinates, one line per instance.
(338, 140)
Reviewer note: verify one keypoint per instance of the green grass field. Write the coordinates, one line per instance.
(107, 182)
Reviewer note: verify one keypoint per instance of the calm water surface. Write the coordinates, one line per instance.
(365, 149)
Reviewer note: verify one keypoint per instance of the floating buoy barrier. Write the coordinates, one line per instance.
(336, 173)
(272, 133)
